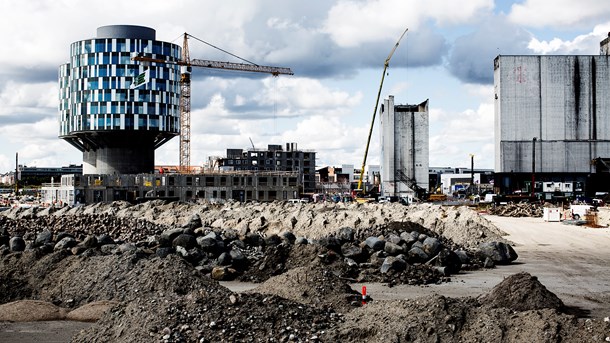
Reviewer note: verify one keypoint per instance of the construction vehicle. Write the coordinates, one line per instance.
(361, 194)
(186, 65)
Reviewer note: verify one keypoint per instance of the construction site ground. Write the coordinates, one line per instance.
(571, 261)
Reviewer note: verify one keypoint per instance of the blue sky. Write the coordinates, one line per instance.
(335, 48)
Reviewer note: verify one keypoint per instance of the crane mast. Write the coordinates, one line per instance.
(185, 108)
(368, 141)
(186, 65)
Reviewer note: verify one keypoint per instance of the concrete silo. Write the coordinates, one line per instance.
(404, 148)
(116, 121)
(552, 121)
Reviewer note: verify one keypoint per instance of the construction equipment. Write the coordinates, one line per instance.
(360, 192)
(186, 65)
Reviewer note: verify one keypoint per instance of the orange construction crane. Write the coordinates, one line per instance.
(186, 65)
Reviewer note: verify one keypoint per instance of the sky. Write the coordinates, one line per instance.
(336, 50)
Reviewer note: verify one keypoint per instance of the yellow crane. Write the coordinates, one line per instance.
(360, 191)
(186, 65)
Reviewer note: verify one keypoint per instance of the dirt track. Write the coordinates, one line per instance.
(571, 261)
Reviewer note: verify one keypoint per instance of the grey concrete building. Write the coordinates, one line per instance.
(552, 121)
(274, 158)
(404, 148)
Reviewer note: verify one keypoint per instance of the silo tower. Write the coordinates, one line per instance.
(117, 111)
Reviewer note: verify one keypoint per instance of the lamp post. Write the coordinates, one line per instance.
(471, 174)
(533, 167)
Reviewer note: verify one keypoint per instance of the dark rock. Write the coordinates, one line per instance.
(229, 235)
(65, 243)
(351, 251)
(346, 234)
(463, 256)
(167, 237)
(254, 240)
(237, 244)
(46, 248)
(393, 249)
(488, 263)
(16, 244)
(164, 251)
(273, 240)
(185, 240)
(431, 246)
(42, 238)
(109, 249)
(194, 222)
(89, 242)
(417, 255)
(104, 239)
(450, 260)
(392, 263)
(288, 237)
(210, 245)
(63, 235)
(375, 243)
(77, 250)
(500, 253)
(422, 237)
(330, 243)
(238, 259)
(224, 259)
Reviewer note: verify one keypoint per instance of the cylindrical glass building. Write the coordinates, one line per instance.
(115, 110)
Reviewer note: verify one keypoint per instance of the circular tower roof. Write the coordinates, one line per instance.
(126, 31)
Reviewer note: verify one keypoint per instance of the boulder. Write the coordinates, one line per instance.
(345, 234)
(393, 249)
(463, 256)
(238, 259)
(431, 246)
(104, 239)
(194, 223)
(375, 243)
(498, 252)
(167, 237)
(185, 240)
(393, 238)
(63, 235)
(288, 237)
(301, 241)
(224, 259)
(393, 264)
(450, 260)
(254, 239)
(89, 242)
(351, 251)
(330, 243)
(223, 273)
(417, 255)
(16, 244)
(273, 240)
(164, 251)
(408, 238)
(42, 238)
(65, 243)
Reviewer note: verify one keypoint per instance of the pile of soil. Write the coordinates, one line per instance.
(522, 292)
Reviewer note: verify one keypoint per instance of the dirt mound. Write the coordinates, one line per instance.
(30, 311)
(315, 286)
(91, 312)
(211, 314)
(521, 292)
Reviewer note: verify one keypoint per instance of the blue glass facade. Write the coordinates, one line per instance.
(100, 109)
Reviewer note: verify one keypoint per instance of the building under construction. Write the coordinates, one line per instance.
(552, 126)
(404, 149)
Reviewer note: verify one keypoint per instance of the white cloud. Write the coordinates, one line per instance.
(583, 44)
(352, 23)
(560, 14)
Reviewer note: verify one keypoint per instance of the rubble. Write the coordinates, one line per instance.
(521, 209)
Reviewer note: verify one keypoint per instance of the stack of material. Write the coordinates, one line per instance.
(517, 210)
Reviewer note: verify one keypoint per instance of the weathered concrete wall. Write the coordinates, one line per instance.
(562, 101)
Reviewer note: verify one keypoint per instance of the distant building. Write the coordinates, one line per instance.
(38, 175)
(552, 122)
(274, 158)
(211, 186)
(404, 148)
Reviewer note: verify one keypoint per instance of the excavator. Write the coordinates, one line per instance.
(361, 195)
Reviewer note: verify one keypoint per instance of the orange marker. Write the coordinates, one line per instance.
(363, 295)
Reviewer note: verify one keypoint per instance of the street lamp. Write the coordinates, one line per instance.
(471, 174)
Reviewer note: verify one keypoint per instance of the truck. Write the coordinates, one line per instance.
(579, 211)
